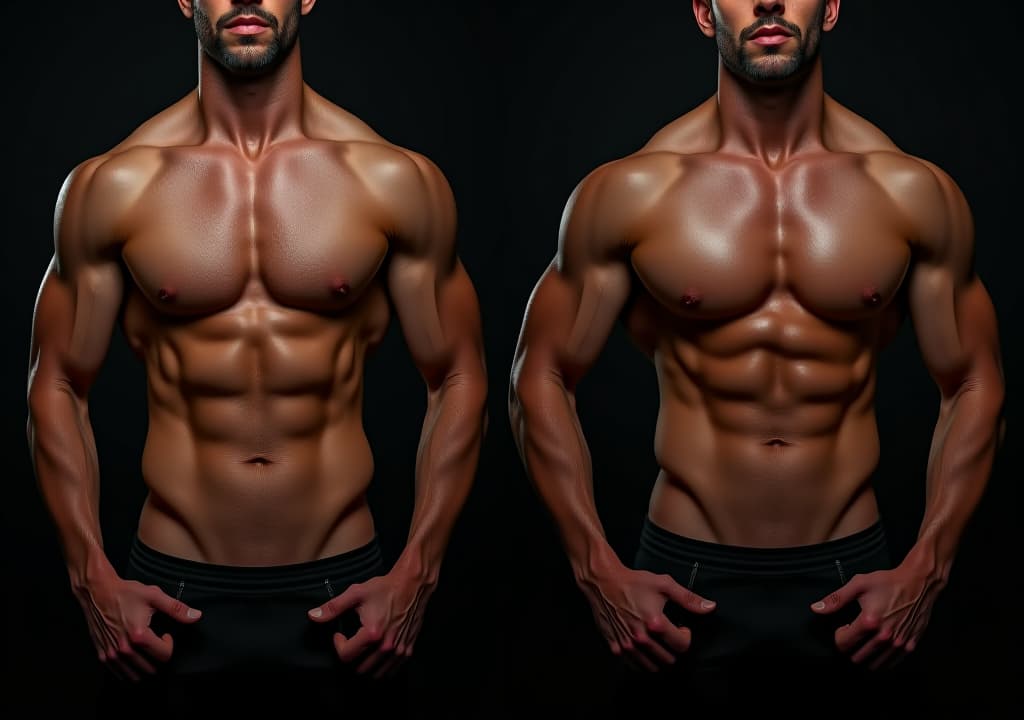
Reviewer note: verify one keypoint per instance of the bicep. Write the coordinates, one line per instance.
(569, 317)
(80, 294)
(950, 308)
(578, 299)
(439, 314)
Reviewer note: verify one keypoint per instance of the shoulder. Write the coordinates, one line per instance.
(385, 169)
(415, 204)
(97, 193)
(97, 196)
(615, 199)
(608, 207)
(393, 172)
(930, 201)
(924, 194)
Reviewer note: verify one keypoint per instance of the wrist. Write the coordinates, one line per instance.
(596, 562)
(90, 567)
(926, 560)
(417, 566)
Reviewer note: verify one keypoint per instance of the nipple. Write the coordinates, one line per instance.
(339, 288)
(166, 293)
(690, 299)
(871, 297)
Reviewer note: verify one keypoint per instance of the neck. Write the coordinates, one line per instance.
(772, 122)
(252, 112)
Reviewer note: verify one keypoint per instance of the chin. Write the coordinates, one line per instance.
(774, 69)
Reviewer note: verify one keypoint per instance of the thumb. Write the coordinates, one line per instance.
(173, 607)
(685, 598)
(334, 607)
(840, 597)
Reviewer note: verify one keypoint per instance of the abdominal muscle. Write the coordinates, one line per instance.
(748, 458)
(256, 474)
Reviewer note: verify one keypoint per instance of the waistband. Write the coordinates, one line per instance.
(351, 566)
(794, 559)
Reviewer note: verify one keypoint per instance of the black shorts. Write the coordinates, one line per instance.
(253, 617)
(254, 642)
(762, 646)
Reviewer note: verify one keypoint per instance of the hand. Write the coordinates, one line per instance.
(629, 606)
(390, 609)
(118, 613)
(895, 608)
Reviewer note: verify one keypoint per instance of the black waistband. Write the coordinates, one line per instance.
(677, 548)
(352, 566)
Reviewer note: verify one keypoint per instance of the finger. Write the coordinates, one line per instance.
(389, 667)
(676, 638)
(614, 645)
(334, 607)
(850, 636)
(172, 607)
(135, 661)
(685, 598)
(351, 648)
(641, 659)
(880, 641)
(900, 652)
(653, 649)
(158, 648)
(404, 651)
(382, 653)
(841, 597)
(378, 657)
(883, 658)
(124, 669)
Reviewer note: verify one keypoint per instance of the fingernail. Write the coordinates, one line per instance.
(316, 612)
(707, 604)
(818, 605)
(193, 613)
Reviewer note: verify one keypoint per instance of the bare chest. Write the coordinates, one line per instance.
(296, 226)
(729, 235)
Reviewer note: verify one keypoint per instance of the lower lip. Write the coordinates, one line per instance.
(247, 29)
(770, 39)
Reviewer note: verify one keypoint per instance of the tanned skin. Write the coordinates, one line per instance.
(762, 250)
(253, 241)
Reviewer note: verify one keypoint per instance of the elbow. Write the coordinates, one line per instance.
(531, 391)
(45, 396)
(521, 392)
(513, 406)
(466, 387)
(984, 393)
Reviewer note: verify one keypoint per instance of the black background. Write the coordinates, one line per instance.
(515, 102)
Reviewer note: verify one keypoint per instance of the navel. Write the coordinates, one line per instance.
(871, 297)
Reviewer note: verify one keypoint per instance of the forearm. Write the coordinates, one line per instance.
(63, 453)
(557, 459)
(959, 464)
(446, 463)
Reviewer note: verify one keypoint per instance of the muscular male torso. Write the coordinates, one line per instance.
(763, 296)
(254, 289)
